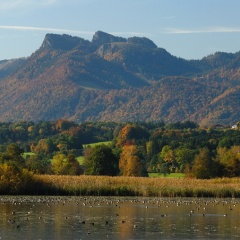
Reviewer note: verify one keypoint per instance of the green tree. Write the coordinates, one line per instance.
(230, 160)
(14, 155)
(167, 156)
(225, 142)
(153, 164)
(38, 164)
(151, 148)
(63, 165)
(184, 156)
(59, 164)
(203, 165)
(164, 169)
(100, 160)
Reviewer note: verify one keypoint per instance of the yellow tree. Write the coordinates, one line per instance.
(129, 133)
(130, 162)
(203, 167)
(59, 164)
(230, 160)
(44, 146)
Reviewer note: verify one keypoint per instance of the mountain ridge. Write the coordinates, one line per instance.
(118, 79)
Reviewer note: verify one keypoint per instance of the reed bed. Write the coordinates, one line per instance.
(136, 186)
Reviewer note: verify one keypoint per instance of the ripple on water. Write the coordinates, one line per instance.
(44, 217)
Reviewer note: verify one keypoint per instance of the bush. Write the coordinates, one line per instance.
(13, 180)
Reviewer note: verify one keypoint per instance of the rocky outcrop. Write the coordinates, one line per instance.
(144, 42)
(116, 79)
(62, 42)
(100, 38)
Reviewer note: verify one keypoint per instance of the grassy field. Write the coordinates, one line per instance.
(79, 158)
(172, 175)
(28, 154)
(135, 186)
(95, 144)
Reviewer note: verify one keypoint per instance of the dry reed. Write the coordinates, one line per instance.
(135, 186)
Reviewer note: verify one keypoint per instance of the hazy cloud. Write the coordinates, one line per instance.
(58, 30)
(28, 28)
(207, 30)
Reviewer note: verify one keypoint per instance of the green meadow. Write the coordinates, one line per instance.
(171, 175)
(95, 144)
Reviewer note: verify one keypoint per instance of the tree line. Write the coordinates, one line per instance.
(52, 147)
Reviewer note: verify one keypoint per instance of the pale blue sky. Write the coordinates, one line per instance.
(189, 29)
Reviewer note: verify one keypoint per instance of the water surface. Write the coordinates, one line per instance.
(118, 218)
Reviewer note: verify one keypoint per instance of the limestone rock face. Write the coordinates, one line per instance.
(145, 42)
(62, 42)
(100, 38)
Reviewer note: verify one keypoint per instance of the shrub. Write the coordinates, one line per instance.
(14, 180)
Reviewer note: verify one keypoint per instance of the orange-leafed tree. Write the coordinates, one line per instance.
(130, 163)
(63, 124)
(130, 133)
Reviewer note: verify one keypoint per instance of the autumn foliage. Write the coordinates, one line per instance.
(130, 163)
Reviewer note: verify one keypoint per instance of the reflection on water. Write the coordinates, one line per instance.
(118, 218)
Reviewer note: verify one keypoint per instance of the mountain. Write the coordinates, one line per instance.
(118, 79)
(8, 67)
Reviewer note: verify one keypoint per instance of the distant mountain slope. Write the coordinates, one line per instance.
(117, 79)
(170, 99)
(9, 67)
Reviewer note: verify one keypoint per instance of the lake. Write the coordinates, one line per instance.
(43, 217)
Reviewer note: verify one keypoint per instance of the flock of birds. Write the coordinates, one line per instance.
(195, 207)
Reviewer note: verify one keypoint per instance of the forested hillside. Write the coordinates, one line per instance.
(118, 79)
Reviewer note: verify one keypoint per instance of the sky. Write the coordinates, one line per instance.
(189, 29)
